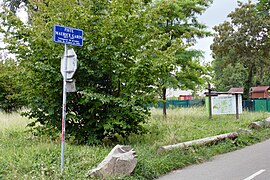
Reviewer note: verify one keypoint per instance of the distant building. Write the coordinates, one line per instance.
(178, 94)
(185, 97)
(259, 92)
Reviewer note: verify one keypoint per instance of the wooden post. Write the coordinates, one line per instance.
(164, 102)
(210, 103)
(237, 109)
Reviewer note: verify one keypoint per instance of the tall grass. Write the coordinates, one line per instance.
(186, 124)
(12, 121)
(23, 156)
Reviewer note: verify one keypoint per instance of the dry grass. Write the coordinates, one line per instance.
(23, 156)
(12, 121)
(184, 124)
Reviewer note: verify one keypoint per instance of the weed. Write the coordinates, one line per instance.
(23, 156)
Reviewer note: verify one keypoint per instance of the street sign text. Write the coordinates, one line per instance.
(67, 35)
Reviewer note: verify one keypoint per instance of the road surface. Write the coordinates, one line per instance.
(250, 163)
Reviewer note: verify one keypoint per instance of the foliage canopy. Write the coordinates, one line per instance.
(241, 49)
(119, 64)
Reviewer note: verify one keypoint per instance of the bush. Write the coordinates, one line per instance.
(10, 88)
(100, 117)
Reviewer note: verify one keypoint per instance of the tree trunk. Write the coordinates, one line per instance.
(261, 74)
(203, 141)
(118, 88)
(260, 124)
(248, 83)
(164, 102)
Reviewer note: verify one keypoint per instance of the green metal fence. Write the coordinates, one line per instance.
(257, 105)
(180, 103)
(249, 105)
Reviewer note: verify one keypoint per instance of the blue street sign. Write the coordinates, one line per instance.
(67, 35)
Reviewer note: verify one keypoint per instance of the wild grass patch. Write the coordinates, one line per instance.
(12, 121)
(23, 156)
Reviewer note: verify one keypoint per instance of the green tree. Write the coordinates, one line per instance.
(182, 68)
(10, 99)
(242, 41)
(263, 7)
(117, 72)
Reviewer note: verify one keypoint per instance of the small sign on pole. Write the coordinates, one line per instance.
(71, 62)
(71, 36)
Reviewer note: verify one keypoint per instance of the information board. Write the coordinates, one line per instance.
(226, 104)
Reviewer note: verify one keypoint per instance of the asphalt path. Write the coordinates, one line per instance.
(250, 163)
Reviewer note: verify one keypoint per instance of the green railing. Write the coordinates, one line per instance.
(257, 105)
(180, 103)
(249, 105)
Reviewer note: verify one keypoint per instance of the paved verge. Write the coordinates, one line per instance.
(250, 163)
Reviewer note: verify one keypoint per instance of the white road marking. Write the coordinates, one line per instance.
(255, 174)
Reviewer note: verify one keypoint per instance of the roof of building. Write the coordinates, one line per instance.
(239, 90)
(259, 89)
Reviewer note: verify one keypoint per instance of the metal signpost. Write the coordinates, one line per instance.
(71, 36)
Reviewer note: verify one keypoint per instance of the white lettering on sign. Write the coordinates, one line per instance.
(68, 35)
(69, 30)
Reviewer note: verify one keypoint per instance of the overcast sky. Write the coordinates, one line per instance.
(215, 15)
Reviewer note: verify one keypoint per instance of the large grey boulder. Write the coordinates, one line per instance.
(121, 161)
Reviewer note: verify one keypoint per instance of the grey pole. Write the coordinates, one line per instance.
(64, 108)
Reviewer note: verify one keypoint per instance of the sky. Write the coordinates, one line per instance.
(215, 15)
